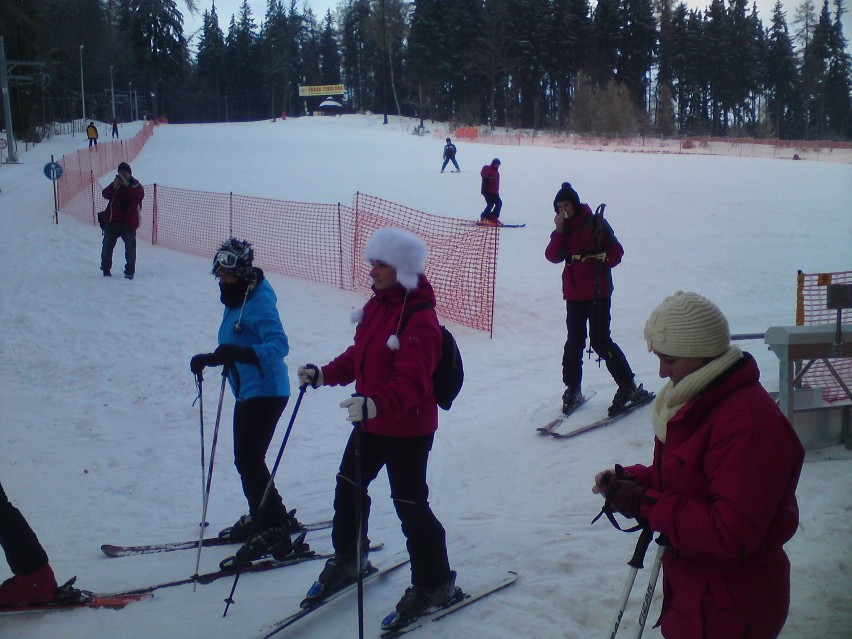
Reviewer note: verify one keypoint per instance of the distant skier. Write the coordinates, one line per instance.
(33, 581)
(92, 134)
(114, 128)
(450, 156)
(490, 190)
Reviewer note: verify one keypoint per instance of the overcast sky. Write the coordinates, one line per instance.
(226, 8)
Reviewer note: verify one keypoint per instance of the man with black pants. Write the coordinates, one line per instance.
(121, 219)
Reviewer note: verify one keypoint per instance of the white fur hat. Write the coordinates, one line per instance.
(687, 325)
(404, 251)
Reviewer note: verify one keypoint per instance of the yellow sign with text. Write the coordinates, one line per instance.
(321, 90)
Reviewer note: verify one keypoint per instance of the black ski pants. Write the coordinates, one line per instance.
(595, 314)
(406, 459)
(493, 205)
(113, 231)
(20, 544)
(255, 420)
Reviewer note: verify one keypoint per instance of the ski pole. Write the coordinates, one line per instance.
(255, 521)
(597, 231)
(199, 380)
(635, 563)
(662, 542)
(359, 516)
(210, 474)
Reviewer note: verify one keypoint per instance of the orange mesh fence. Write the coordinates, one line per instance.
(811, 309)
(321, 243)
(81, 170)
(462, 257)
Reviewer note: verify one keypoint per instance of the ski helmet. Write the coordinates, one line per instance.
(235, 256)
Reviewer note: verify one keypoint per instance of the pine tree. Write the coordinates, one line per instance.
(838, 79)
(782, 80)
(210, 61)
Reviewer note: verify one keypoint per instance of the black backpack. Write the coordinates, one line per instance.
(448, 377)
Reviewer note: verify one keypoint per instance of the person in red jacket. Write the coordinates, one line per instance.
(121, 219)
(490, 190)
(722, 487)
(395, 416)
(590, 250)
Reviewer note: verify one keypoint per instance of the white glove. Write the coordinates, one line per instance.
(310, 375)
(360, 408)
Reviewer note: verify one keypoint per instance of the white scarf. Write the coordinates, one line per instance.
(672, 397)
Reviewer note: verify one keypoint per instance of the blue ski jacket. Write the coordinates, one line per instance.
(263, 332)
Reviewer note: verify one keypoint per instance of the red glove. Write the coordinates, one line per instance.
(625, 496)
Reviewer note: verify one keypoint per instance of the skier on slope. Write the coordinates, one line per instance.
(590, 251)
(395, 417)
(490, 190)
(722, 486)
(450, 156)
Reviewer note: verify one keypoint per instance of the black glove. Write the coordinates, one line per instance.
(230, 353)
(198, 362)
(625, 496)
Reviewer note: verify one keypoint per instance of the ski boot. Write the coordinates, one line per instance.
(273, 541)
(418, 601)
(339, 572)
(239, 532)
(571, 399)
(36, 587)
(626, 397)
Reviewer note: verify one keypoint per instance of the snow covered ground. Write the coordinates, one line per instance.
(99, 438)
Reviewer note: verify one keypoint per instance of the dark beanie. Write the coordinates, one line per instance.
(124, 166)
(566, 193)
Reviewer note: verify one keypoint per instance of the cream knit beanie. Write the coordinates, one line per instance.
(687, 325)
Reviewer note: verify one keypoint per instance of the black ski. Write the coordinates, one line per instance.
(459, 602)
(124, 551)
(67, 597)
(550, 426)
(606, 420)
(500, 226)
(274, 628)
(261, 565)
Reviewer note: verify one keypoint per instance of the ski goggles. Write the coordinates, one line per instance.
(226, 260)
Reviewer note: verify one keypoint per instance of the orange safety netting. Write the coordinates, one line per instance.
(317, 242)
(811, 309)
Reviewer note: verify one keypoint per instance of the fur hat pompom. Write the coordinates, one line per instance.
(687, 325)
(404, 251)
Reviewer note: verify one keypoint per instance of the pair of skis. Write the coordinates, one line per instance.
(111, 550)
(307, 607)
(551, 428)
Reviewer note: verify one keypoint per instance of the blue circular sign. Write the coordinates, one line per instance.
(53, 170)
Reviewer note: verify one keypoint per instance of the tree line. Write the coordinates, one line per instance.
(618, 67)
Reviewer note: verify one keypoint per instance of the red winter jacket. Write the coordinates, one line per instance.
(124, 203)
(398, 381)
(490, 179)
(725, 489)
(579, 238)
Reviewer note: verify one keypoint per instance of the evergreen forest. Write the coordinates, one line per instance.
(616, 67)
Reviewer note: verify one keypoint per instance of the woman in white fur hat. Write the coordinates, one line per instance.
(722, 487)
(395, 417)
